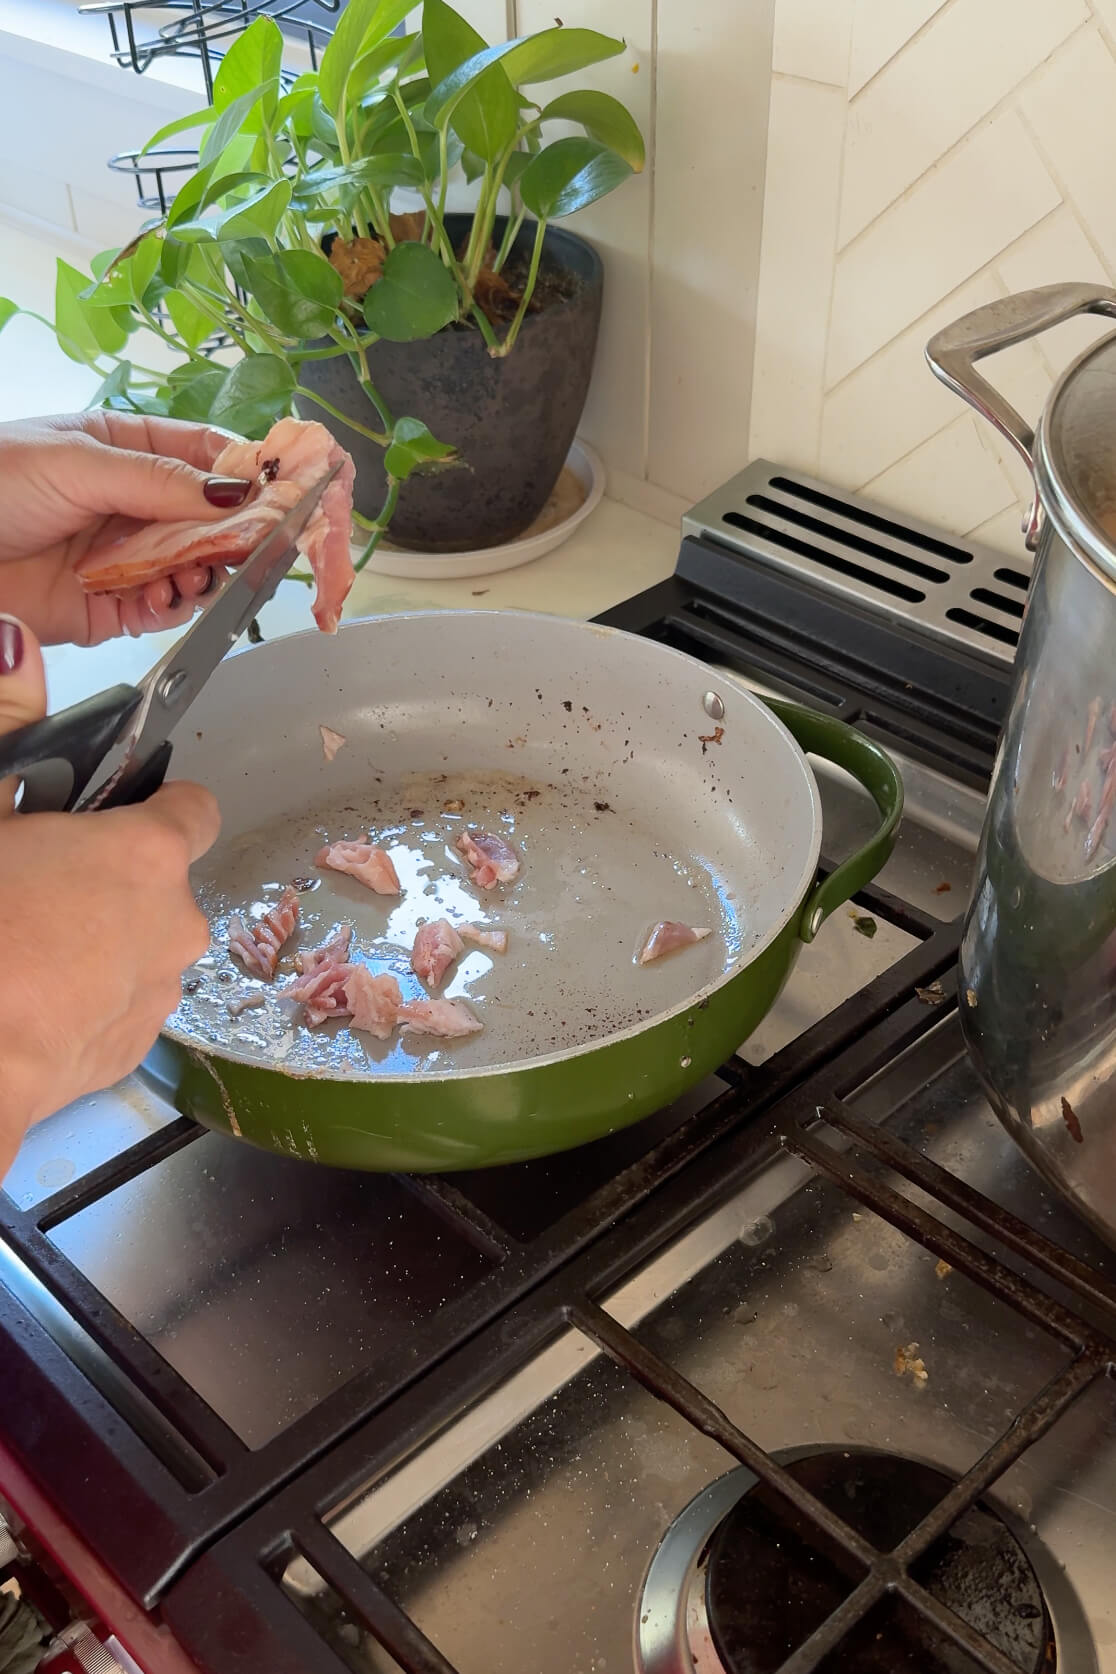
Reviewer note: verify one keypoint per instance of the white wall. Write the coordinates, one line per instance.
(924, 157)
(669, 407)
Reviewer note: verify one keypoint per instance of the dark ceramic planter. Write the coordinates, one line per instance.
(511, 420)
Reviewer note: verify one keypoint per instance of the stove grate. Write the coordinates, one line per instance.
(810, 1123)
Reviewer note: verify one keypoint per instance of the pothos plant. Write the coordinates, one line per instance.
(282, 247)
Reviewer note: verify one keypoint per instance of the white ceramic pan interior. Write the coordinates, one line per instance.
(592, 751)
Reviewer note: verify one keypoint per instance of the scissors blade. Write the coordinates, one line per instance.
(177, 678)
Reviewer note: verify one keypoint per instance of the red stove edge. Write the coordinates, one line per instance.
(144, 1640)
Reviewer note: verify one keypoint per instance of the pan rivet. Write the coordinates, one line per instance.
(171, 685)
(816, 920)
(714, 706)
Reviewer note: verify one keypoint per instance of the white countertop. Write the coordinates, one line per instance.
(615, 553)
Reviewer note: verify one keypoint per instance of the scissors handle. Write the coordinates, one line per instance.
(58, 756)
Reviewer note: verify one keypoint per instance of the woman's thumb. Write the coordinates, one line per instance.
(22, 688)
(154, 488)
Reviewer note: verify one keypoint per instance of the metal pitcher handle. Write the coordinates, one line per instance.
(953, 352)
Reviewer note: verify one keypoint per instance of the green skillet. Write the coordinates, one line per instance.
(636, 785)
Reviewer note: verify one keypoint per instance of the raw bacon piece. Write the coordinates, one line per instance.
(496, 940)
(333, 951)
(363, 861)
(437, 946)
(322, 992)
(305, 451)
(246, 1002)
(1092, 716)
(493, 861)
(1100, 824)
(668, 937)
(373, 1000)
(293, 456)
(446, 1019)
(331, 741)
(1081, 808)
(257, 945)
(133, 554)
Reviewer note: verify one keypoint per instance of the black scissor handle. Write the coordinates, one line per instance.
(58, 756)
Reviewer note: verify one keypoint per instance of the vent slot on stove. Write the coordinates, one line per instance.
(898, 567)
(856, 572)
(999, 601)
(859, 513)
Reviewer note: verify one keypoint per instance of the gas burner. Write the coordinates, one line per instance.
(739, 1581)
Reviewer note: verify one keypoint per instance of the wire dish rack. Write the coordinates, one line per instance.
(144, 30)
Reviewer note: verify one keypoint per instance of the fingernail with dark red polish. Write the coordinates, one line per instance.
(11, 646)
(227, 491)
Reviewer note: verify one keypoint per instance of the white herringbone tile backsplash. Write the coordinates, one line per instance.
(924, 157)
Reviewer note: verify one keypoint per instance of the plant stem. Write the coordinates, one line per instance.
(443, 169)
(485, 325)
(508, 344)
(346, 158)
(339, 348)
(227, 299)
(152, 324)
(382, 218)
(379, 528)
(376, 436)
(484, 217)
(474, 250)
(511, 233)
(435, 212)
(359, 362)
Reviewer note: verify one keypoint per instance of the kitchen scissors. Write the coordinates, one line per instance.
(118, 742)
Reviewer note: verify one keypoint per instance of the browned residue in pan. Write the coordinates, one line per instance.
(707, 738)
(1069, 1117)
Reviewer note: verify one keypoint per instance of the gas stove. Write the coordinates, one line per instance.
(806, 1372)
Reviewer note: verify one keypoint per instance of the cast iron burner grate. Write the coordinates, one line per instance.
(237, 1589)
(766, 1578)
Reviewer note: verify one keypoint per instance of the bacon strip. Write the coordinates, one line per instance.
(257, 945)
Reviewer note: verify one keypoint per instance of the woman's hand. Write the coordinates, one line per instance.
(63, 479)
(99, 924)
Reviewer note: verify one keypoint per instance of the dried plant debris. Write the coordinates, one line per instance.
(863, 924)
(908, 1359)
(932, 995)
(359, 261)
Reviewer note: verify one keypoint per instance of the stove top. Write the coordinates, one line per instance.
(467, 1425)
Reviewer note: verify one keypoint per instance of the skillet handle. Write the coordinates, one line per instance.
(835, 741)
